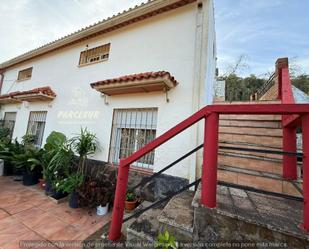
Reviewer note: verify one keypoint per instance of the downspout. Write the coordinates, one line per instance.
(198, 47)
(1, 80)
(1, 83)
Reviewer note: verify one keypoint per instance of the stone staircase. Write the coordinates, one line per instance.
(254, 169)
(241, 216)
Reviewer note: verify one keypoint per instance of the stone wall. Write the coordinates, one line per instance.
(158, 188)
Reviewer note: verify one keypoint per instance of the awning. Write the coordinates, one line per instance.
(136, 83)
(37, 94)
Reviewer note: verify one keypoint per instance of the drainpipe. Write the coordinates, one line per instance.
(200, 71)
(1, 80)
(197, 85)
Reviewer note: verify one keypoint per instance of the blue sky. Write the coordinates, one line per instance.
(263, 30)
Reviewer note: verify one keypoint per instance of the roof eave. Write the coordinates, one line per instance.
(110, 24)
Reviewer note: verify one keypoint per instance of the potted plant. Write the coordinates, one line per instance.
(57, 159)
(29, 159)
(84, 144)
(102, 202)
(131, 201)
(70, 185)
(98, 189)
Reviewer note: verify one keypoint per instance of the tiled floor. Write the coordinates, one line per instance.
(27, 214)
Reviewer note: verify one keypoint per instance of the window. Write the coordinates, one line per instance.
(97, 54)
(36, 126)
(132, 129)
(9, 121)
(25, 74)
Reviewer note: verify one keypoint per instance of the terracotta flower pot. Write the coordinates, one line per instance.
(130, 205)
(42, 184)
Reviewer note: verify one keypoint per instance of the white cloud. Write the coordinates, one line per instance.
(27, 24)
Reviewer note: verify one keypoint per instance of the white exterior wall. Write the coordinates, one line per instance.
(164, 42)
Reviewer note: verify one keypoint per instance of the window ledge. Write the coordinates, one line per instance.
(91, 63)
(23, 80)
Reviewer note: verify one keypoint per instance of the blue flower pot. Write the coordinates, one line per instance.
(73, 201)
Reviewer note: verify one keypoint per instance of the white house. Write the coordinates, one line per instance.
(128, 78)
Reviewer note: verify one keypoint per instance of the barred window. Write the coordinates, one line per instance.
(97, 54)
(132, 129)
(9, 121)
(25, 74)
(36, 126)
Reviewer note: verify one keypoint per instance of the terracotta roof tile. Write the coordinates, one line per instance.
(43, 90)
(136, 77)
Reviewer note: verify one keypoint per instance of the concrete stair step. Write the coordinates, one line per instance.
(250, 123)
(259, 180)
(127, 224)
(250, 162)
(269, 141)
(249, 216)
(177, 217)
(145, 228)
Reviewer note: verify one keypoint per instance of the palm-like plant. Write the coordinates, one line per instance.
(84, 144)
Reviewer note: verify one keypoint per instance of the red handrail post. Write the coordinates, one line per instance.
(210, 160)
(290, 145)
(119, 202)
(305, 131)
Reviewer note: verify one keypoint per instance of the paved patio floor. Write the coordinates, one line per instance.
(26, 214)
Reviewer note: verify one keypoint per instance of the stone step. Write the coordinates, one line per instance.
(270, 141)
(177, 217)
(144, 228)
(234, 159)
(250, 130)
(250, 123)
(247, 216)
(259, 180)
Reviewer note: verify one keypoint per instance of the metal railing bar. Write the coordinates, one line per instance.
(148, 179)
(139, 212)
(276, 152)
(251, 189)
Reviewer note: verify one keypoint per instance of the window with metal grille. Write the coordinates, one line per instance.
(9, 121)
(132, 129)
(36, 126)
(25, 74)
(97, 54)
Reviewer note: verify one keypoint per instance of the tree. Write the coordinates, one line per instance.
(302, 82)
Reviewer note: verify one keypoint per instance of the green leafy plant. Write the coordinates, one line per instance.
(57, 158)
(29, 159)
(28, 140)
(130, 196)
(54, 141)
(71, 183)
(5, 136)
(166, 241)
(84, 144)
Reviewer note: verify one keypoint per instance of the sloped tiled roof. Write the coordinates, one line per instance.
(136, 77)
(41, 90)
(127, 17)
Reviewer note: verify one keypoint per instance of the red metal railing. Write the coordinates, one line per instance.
(289, 122)
(210, 114)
